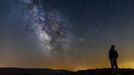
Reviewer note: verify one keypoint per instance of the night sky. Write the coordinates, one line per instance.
(66, 34)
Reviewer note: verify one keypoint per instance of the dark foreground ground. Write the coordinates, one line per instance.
(24, 71)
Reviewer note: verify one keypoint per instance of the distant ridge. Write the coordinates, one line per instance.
(38, 71)
(32, 71)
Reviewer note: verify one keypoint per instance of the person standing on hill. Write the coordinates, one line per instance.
(113, 55)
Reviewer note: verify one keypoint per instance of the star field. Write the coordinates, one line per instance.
(58, 33)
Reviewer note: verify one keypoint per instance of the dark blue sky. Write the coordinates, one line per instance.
(29, 33)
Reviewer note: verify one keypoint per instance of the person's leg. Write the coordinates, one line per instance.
(112, 63)
(116, 65)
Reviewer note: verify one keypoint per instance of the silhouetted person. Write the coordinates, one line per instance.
(113, 55)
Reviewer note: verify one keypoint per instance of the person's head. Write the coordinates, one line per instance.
(112, 46)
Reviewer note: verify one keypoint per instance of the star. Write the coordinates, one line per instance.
(96, 29)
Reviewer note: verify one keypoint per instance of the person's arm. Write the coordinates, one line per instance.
(116, 53)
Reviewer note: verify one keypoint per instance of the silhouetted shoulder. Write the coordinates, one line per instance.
(113, 53)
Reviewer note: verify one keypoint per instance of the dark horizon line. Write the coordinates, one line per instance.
(34, 68)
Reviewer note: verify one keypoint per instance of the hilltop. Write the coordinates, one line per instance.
(37, 71)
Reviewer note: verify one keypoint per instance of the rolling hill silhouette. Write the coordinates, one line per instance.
(37, 71)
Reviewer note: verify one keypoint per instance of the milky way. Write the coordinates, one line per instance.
(49, 26)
